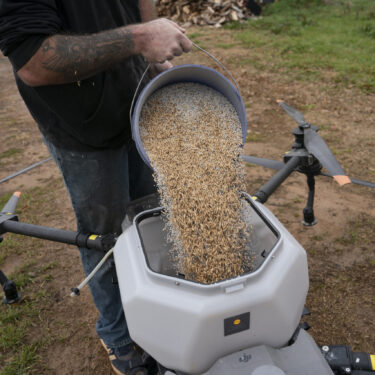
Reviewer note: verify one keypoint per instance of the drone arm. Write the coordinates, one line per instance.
(57, 235)
(9, 223)
(277, 179)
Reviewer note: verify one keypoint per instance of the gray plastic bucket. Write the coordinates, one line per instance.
(187, 73)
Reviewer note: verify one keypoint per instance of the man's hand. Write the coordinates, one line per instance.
(160, 40)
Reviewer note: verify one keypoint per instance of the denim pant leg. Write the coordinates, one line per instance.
(141, 182)
(98, 185)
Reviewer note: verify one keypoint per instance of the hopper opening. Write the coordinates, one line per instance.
(158, 250)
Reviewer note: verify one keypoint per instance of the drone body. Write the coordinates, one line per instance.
(247, 325)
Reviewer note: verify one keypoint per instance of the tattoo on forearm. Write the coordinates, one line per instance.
(78, 57)
(47, 46)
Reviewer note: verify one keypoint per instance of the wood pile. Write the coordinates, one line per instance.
(202, 12)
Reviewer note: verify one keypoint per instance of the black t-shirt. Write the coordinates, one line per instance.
(87, 116)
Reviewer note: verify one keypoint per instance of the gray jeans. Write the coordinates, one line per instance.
(100, 184)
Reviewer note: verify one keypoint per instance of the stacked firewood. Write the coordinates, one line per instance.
(202, 12)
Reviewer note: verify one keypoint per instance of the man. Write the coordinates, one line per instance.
(77, 64)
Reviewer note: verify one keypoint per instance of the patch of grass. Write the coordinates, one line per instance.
(11, 314)
(23, 276)
(195, 38)
(311, 251)
(351, 238)
(253, 137)
(19, 346)
(370, 260)
(9, 153)
(317, 238)
(200, 43)
(369, 29)
(12, 336)
(10, 245)
(48, 277)
(195, 35)
(21, 351)
(2, 258)
(308, 107)
(49, 266)
(312, 40)
(225, 45)
(357, 232)
(235, 25)
(23, 362)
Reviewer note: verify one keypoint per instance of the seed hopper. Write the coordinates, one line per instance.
(188, 326)
(247, 325)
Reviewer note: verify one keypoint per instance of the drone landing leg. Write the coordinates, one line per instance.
(308, 212)
(10, 290)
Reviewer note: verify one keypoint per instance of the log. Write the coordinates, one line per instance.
(203, 12)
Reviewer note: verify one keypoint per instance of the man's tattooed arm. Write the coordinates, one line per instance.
(70, 58)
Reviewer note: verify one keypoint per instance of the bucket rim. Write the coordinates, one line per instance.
(135, 129)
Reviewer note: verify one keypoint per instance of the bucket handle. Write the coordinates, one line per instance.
(201, 49)
(219, 63)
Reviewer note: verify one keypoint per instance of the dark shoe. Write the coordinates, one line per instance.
(130, 360)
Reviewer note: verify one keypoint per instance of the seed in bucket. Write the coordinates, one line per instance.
(192, 135)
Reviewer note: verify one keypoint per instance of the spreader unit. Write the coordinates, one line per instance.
(187, 326)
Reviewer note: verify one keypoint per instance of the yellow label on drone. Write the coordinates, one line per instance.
(93, 237)
(372, 358)
(237, 322)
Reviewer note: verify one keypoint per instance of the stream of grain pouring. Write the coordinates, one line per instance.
(192, 135)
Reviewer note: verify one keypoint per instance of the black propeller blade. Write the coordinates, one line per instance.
(364, 183)
(268, 163)
(277, 165)
(315, 144)
(354, 181)
(293, 113)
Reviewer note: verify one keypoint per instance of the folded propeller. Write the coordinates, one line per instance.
(316, 146)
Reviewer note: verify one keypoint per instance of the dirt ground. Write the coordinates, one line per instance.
(340, 248)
